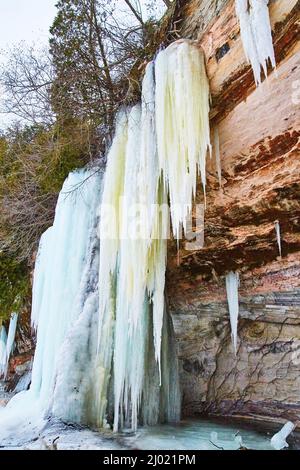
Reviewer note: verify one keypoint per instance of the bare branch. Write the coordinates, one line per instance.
(135, 12)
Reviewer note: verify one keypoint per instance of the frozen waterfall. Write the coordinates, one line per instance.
(61, 262)
(105, 352)
(58, 277)
(133, 262)
(159, 147)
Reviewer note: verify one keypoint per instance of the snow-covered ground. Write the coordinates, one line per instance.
(4, 397)
(59, 436)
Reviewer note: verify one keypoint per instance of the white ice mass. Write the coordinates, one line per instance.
(256, 35)
(183, 135)
(278, 441)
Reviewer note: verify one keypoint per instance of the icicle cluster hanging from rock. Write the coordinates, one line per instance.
(183, 136)
(256, 35)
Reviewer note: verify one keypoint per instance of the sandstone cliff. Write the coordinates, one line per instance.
(259, 147)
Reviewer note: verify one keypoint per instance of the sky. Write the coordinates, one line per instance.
(29, 21)
(25, 20)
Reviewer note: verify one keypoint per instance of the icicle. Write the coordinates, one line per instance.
(10, 338)
(11, 334)
(132, 280)
(3, 340)
(217, 154)
(134, 151)
(278, 237)
(39, 277)
(278, 441)
(132, 265)
(182, 123)
(232, 288)
(109, 233)
(256, 35)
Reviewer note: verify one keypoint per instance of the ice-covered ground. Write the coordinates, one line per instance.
(189, 435)
(200, 435)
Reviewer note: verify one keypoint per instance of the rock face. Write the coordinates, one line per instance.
(258, 133)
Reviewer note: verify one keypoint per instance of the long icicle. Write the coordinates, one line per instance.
(232, 288)
(278, 236)
(3, 340)
(10, 338)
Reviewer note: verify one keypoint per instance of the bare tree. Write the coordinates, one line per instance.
(26, 80)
